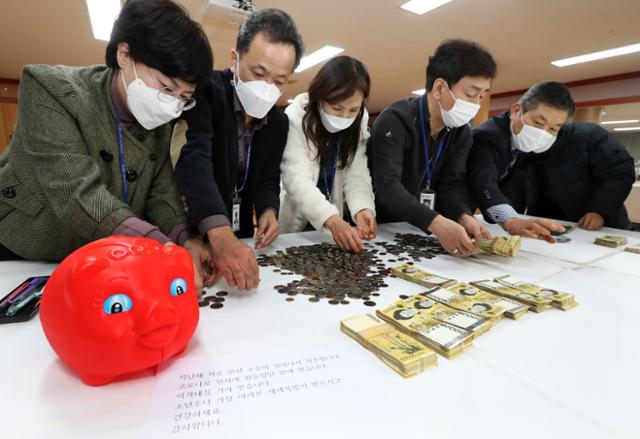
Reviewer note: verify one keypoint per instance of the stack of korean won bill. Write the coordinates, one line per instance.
(610, 241)
(559, 299)
(417, 275)
(633, 248)
(466, 297)
(500, 246)
(475, 324)
(535, 301)
(446, 339)
(396, 349)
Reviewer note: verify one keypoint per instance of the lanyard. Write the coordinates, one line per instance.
(328, 193)
(439, 147)
(246, 167)
(123, 165)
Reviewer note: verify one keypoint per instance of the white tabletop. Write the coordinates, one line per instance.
(554, 374)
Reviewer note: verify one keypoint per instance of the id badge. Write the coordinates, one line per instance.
(428, 198)
(235, 214)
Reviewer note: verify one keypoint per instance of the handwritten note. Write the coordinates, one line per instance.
(239, 397)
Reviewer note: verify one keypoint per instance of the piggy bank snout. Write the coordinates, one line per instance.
(160, 326)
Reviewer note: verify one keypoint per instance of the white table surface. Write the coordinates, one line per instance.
(554, 374)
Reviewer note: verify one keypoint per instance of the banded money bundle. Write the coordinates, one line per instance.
(446, 339)
(473, 323)
(559, 299)
(535, 301)
(632, 248)
(465, 297)
(402, 353)
(418, 275)
(611, 241)
(501, 246)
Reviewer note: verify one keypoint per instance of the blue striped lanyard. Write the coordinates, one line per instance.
(246, 167)
(123, 164)
(439, 147)
(328, 194)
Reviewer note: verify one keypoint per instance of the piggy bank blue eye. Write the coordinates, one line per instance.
(117, 303)
(178, 287)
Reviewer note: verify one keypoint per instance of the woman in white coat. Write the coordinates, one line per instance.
(324, 163)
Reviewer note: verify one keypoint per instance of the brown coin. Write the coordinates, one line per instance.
(370, 303)
(216, 305)
(222, 293)
(218, 299)
(376, 294)
(290, 299)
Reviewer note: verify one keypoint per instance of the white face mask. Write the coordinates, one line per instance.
(256, 97)
(332, 123)
(532, 139)
(146, 106)
(461, 113)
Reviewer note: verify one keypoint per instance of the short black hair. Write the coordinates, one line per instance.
(277, 26)
(553, 94)
(455, 59)
(161, 35)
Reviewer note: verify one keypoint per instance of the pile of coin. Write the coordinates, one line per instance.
(329, 273)
(214, 302)
(413, 246)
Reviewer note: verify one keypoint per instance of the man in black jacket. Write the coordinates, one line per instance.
(529, 159)
(419, 148)
(235, 137)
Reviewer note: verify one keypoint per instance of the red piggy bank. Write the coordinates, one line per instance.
(120, 305)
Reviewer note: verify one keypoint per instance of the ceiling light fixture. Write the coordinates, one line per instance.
(102, 14)
(625, 50)
(317, 57)
(420, 7)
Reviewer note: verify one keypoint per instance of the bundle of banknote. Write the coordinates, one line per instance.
(559, 299)
(632, 248)
(611, 240)
(418, 275)
(501, 246)
(465, 297)
(396, 349)
(535, 302)
(446, 339)
(475, 324)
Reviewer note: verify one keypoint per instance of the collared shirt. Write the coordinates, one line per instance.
(501, 213)
(245, 132)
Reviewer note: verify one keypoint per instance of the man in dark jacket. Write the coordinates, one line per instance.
(229, 167)
(527, 159)
(419, 148)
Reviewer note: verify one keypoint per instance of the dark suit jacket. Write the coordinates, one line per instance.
(399, 171)
(207, 170)
(586, 170)
(491, 179)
